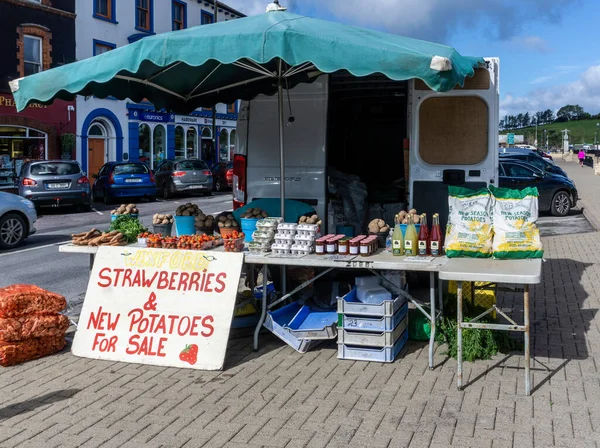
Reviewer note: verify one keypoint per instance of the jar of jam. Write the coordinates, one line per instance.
(365, 248)
(331, 246)
(320, 247)
(344, 246)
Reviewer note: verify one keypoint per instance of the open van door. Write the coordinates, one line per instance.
(453, 139)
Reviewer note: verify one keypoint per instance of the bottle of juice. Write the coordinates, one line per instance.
(435, 239)
(423, 248)
(397, 241)
(411, 239)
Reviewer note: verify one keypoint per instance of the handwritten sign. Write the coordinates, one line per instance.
(158, 306)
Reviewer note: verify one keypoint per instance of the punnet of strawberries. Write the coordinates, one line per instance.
(234, 242)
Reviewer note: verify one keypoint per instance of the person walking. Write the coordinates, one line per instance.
(581, 157)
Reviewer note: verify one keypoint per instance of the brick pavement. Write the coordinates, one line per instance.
(588, 186)
(279, 398)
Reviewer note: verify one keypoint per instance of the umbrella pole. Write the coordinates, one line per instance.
(281, 153)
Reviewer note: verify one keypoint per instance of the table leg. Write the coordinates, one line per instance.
(527, 348)
(92, 258)
(440, 294)
(263, 308)
(459, 319)
(433, 318)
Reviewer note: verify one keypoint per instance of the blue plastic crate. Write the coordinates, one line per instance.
(384, 354)
(372, 339)
(313, 325)
(364, 323)
(350, 305)
(276, 321)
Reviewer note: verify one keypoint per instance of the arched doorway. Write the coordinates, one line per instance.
(232, 137)
(224, 146)
(192, 143)
(158, 145)
(97, 138)
(179, 143)
(145, 151)
(207, 146)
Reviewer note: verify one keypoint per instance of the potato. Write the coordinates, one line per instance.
(221, 224)
(381, 223)
(264, 214)
(200, 224)
(402, 214)
(312, 220)
(412, 211)
(373, 227)
(385, 229)
(302, 219)
(416, 219)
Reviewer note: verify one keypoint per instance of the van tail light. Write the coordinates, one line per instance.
(207, 173)
(111, 179)
(29, 182)
(151, 177)
(239, 181)
(83, 180)
(178, 174)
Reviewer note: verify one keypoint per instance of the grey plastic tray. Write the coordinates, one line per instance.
(349, 304)
(384, 354)
(368, 339)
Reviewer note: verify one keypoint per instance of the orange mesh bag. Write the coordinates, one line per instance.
(12, 353)
(14, 329)
(21, 300)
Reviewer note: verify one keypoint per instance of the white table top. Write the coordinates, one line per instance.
(524, 272)
(380, 261)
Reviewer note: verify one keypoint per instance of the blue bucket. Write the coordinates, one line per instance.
(248, 227)
(114, 217)
(345, 230)
(184, 225)
(404, 226)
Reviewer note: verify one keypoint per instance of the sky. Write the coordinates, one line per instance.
(549, 50)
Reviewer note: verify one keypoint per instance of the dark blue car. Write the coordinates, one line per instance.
(119, 180)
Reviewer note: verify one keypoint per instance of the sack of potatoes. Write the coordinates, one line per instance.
(378, 226)
(203, 221)
(188, 209)
(313, 219)
(227, 220)
(255, 213)
(161, 219)
(126, 209)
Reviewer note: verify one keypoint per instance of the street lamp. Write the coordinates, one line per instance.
(596, 135)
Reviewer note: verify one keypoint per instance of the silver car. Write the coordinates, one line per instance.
(17, 219)
(55, 183)
(179, 176)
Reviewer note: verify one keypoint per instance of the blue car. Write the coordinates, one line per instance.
(120, 180)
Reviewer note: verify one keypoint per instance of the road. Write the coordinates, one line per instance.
(39, 262)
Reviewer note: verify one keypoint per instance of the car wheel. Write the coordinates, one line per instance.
(12, 231)
(218, 186)
(167, 192)
(561, 204)
(107, 199)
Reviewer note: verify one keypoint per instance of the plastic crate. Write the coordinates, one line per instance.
(384, 354)
(313, 325)
(369, 339)
(275, 322)
(363, 323)
(481, 294)
(350, 305)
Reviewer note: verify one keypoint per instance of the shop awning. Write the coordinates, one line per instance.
(238, 59)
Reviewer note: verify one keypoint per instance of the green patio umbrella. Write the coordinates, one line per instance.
(197, 67)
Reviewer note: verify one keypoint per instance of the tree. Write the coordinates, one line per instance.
(527, 120)
(501, 124)
(520, 120)
(570, 113)
(539, 116)
(548, 116)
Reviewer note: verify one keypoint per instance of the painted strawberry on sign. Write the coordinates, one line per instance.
(189, 354)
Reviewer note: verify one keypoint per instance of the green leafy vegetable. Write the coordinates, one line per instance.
(129, 226)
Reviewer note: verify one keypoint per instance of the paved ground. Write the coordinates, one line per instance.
(279, 398)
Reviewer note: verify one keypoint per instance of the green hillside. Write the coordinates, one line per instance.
(581, 132)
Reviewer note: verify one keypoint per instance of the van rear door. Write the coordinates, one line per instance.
(257, 146)
(453, 139)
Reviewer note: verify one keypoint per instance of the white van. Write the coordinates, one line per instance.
(378, 129)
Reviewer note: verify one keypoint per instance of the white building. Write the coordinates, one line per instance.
(112, 130)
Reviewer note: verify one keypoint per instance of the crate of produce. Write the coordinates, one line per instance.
(313, 325)
(372, 339)
(376, 324)
(276, 321)
(383, 354)
(349, 304)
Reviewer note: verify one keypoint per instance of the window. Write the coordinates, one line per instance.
(144, 15)
(105, 10)
(231, 108)
(130, 168)
(55, 168)
(32, 55)
(206, 18)
(158, 145)
(144, 143)
(224, 145)
(101, 47)
(179, 11)
(517, 170)
(179, 143)
(192, 143)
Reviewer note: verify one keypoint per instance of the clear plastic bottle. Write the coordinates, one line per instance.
(388, 242)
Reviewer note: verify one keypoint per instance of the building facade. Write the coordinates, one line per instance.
(35, 35)
(111, 130)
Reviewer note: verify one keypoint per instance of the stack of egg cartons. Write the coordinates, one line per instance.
(372, 324)
(284, 238)
(304, 240)
(264, 235)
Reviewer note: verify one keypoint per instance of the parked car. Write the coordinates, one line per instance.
(222, 175)
(187, 175)
(558, 194)
(17, 219)
(535, 160)
(55, 183)
(528, 151)
(119, 180)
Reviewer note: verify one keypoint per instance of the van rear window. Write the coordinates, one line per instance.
(191, 165)
(131, 168)
(55, 168)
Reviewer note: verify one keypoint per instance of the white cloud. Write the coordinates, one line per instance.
(530, 43)
(429, 19)
(585, 91)
(541, 79)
